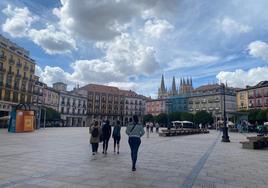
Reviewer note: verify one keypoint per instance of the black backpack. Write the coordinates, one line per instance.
(95, 132)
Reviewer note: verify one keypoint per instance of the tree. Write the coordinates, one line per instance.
(203, 117)
(162, 119)
(186, 116)
(252, 115)
(51, 114)
(261, 116)
(174, 116)
(148, 118)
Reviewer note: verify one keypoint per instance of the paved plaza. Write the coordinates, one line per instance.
(61, 157)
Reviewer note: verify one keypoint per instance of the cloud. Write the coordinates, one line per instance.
(52, 41)
(125, 85)
(98, 19)
(157, 28)
(259, 49)
(18, 22)
(231, 27)
(240, 78)
(191, 59)
(129, 56)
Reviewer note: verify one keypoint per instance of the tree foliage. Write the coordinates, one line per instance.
(162, 119)
(203, 117)
(51, 114)
(148, 118)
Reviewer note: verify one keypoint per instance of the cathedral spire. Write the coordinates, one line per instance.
(162, 86)
(174, 90)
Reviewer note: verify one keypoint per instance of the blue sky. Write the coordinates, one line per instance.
(129, 44)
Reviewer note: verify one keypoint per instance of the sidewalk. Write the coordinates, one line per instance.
(61, 157)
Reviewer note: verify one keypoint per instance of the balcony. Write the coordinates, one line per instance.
(2, 70)
(18, 75)
(19, 64)
(11, 61)
(2, 58)
(10, 73)
(26, 68)
(25, 78)
(32, 70)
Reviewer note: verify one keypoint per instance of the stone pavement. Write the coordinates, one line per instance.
(61, 157)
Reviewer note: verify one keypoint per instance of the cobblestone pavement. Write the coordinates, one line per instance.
(61, 157)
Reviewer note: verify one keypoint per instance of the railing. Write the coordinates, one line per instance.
(2, 58)
(19, 64)
(11, 61)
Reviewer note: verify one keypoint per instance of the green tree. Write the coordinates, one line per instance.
(252, 115)
(186, 116)
(174, 116)
(148, 118)
(51, 114)
(203, 117)
(162, 119)
(261, 116)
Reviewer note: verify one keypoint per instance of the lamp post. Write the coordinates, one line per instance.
(168, 103)
(225, 137)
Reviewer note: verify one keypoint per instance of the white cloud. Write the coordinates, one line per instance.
(157, 28)
(99, 19)
(231, 27)
(258, 49)
(128, 56)
(189, 60)
(240, 78)
(18, 22)
(52, 41)
(125, 85)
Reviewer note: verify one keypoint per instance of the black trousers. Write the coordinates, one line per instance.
(95, 147)
(105, 143)
(134, 143)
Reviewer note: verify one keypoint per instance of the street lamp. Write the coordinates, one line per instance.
(225, 137)
(168, 103)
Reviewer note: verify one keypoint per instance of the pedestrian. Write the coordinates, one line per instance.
(157, 127)
(135, 131)
(95, 132)
(117, 136)
(106, 134)
(147, 129)
(151, 127)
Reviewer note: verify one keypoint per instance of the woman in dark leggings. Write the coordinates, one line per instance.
(106, 134)
(135, 131)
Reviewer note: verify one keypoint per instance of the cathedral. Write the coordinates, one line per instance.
(185, 88)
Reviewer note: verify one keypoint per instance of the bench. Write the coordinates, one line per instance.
(255, 142)
(179, 132)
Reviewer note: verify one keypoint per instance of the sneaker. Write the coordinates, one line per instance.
(133, 169)
(103, 152)
(118, 152)
(93, 153)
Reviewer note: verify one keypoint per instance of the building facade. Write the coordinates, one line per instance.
(156, 106)
(72, 107)
(242, 100)
(51, 98)
(16, 73)
(134, 104)
(177, 104)
(210, 98)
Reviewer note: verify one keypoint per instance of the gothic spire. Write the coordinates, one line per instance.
(173, 85)
(162, 86)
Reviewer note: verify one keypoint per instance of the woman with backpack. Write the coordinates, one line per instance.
(117, 136)
(135, 131)
(95, 132)
(106, 134)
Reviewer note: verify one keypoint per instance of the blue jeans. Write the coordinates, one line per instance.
(134, 143)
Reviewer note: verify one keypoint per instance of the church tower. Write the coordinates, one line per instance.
(173, 91)
(162, 91)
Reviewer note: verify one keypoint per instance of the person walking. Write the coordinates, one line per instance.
(95, 132)
(147, 129)
(106, 134)
(151, 127)
(117, 136)
(157, 127)
(135, 131)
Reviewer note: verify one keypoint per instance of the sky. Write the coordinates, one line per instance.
(131, 43)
